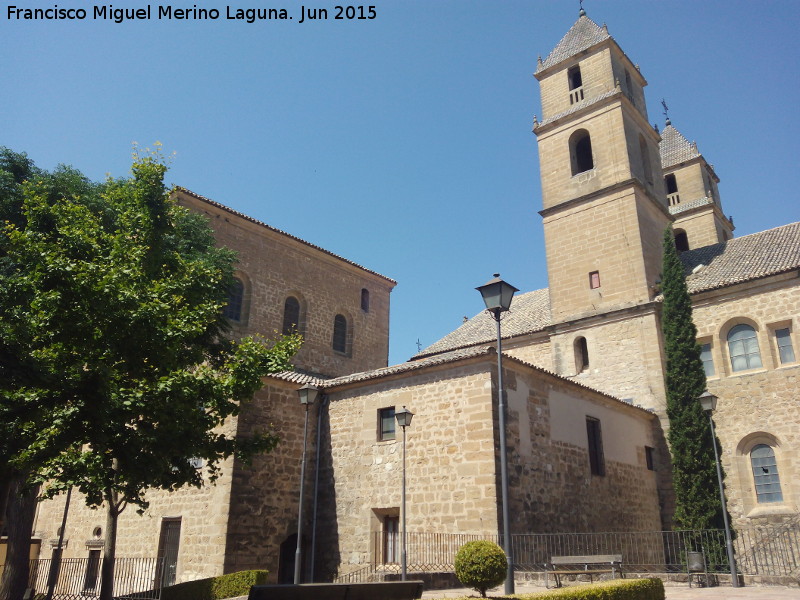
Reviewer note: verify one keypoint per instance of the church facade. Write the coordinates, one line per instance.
(584, 365)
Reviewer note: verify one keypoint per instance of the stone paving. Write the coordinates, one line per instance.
(673, 592)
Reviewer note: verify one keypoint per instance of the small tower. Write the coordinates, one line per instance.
(604, 206)
(692, 194)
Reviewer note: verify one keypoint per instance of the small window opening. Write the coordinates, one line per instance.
(594, 280)
(707, 359)
(785, 349)
(581, 152)
(291, 316)
(575, 84)
(672, 189)
(365, 300)
(681, 241)
(391, 539)
(339, 343)
(595, 439)
(386, 424)
(648, 458)
(233, 310)
(581, 355)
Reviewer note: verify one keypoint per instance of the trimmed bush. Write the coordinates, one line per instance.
(615, 589)
(481, 565)
(216, 588)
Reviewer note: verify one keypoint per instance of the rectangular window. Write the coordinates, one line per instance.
(386, 424)
(595, 439)
(594, 280)
(92, 571)
(708, 361)
(168, 543)
(648, 457)
(785, 350)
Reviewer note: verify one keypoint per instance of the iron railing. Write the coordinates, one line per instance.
(80, 578)
(764, 550)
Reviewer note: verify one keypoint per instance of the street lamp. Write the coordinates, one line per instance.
(308, 394)
(709, 402)
(404, 420)
(497, 295)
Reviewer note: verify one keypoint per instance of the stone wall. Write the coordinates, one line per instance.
(274, 265)
(757, 406)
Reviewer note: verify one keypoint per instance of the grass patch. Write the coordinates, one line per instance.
(616, 589)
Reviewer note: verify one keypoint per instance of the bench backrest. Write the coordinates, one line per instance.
(392, 590)
(586, 560)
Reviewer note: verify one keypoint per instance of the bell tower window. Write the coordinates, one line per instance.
(672, 189)
(681, 240)
(575, 84)
(580, 152)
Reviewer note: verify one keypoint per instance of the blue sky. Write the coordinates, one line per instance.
(403, 142)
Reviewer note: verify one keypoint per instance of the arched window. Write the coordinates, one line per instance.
(233, 310)
(580, 152)
(581, 355)
(291, 315)
(645, 154)
(671, 184)
(765, 474)
(575, 84)
(681, 240)
(743, 348)
(339, 343)
(365, 299)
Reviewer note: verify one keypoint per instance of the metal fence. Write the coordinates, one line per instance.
(766, 550)
(80, 578)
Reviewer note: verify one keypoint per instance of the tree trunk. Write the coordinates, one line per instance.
(109, 548)
(21, 510)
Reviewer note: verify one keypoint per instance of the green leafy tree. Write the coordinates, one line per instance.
(112, 299)
(697, 503)
(481, 565)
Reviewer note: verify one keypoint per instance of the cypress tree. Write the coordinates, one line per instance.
(697, 502)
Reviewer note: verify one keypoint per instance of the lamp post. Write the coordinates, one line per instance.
(404, 420)
(308, 394)
(497, 295)
(709, 402)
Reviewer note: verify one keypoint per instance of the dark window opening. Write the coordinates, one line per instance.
(365, 300)
(168, 543)
(581, 355)
(596, 460)
(386, 424)
(681, 241)
(233, 310)
(581, 152)
(340, 334)
(671, 183)
(92, 571)
(648, 458)
(575, 84)
(291, 315)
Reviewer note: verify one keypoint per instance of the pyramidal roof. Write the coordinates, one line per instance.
(584, 34)
(675, 148)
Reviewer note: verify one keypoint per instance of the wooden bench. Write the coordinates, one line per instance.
(584, 565)
(388, 590)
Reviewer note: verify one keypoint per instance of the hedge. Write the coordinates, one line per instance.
(615, 589)
(216, 588)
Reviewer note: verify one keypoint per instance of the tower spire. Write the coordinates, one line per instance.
(666, 112)
(582, 12)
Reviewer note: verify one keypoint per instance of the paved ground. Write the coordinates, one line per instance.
(674, 592)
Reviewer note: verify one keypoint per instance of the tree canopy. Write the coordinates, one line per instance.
(693, 465)
(116, 371)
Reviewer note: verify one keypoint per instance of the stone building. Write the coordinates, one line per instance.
(585, 366)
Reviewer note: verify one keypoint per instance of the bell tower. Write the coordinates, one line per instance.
(604, 203)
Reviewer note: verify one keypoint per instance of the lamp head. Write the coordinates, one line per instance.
(308, 394)
(708, 401)
(403, 417)
(497, 294)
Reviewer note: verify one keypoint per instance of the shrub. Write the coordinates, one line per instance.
(215, 588)
(615, 589)
(481, 565)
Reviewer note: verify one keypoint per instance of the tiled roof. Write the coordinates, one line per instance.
(675, 148)
(743, 259)
(299, 378)
(529, 312)
(289, 235)
(584, 34)
(684, 206)
(575, 107)
(439, 359)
